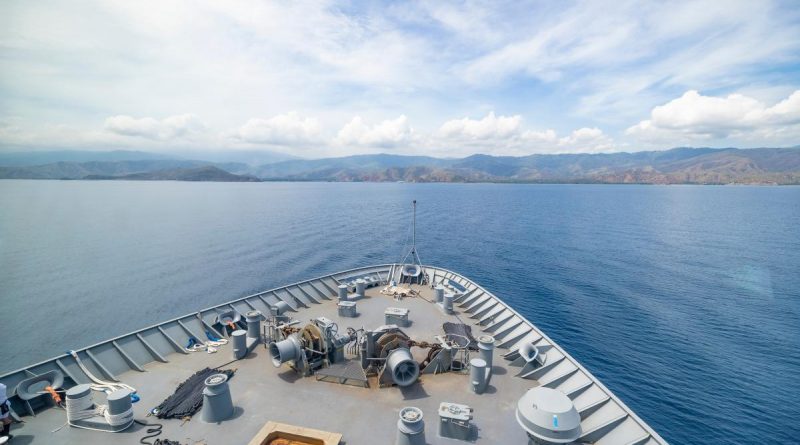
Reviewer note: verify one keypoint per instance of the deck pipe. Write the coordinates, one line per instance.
(486, 349)
(439, 290)
(361, 287)
(478, 375)
(253, 319)
(239, 338)
(447, 304)
(410, 427)
(279, 308)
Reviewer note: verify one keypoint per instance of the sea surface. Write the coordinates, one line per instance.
(683, 300)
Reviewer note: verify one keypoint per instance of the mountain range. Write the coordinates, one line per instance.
(675, 166)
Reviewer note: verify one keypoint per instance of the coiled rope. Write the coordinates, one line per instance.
(82, 408)
(209, 346)
(155, 431)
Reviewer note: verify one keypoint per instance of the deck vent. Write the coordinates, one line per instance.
(531, 359)
(410, 427)
(279, 308)
(217, 403)
(405, 370)
(548, 416)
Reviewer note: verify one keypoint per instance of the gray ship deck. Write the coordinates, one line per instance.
(264, 393)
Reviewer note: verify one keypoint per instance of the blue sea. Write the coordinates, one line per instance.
(683, 300)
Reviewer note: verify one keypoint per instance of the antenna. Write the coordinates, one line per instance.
(412, 271)
(414, 226)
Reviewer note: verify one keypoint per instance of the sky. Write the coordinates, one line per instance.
(319, 78)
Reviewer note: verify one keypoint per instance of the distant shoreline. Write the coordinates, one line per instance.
(301, 181)
(700, 166)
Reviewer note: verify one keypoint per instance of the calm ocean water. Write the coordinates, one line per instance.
(685, 301)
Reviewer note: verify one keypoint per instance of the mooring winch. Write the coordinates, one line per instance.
(316, 345)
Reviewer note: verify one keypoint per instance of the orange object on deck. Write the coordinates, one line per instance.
(56, 397)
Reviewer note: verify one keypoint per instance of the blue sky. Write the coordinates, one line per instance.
(317, 78)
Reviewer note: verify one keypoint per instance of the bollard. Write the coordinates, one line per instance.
(217, 403)
(410, 427)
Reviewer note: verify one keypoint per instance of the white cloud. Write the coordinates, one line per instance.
(694, 116)
(507, 135)
(284, 129)
(573, 64)
(616, 62)
(172, 127)
(490, 127)
(492, 134)
(386, 134)
(586, 140)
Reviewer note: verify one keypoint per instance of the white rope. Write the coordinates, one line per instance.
(100, 385)
(196, 347)
(125, 418)
(82, 408)
(209, 346)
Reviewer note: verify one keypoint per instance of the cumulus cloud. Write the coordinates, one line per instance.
(490, 127)
(586, 140)
(694, 116)
(582, 62)
(283, 129)
(507, 135)
(387, 134)
(172, 127)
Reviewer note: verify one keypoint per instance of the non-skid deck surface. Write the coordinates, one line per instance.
(264, 393)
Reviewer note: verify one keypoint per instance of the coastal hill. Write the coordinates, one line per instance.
(207, 173)
(675, 166)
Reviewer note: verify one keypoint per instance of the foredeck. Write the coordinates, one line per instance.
(262, 393)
